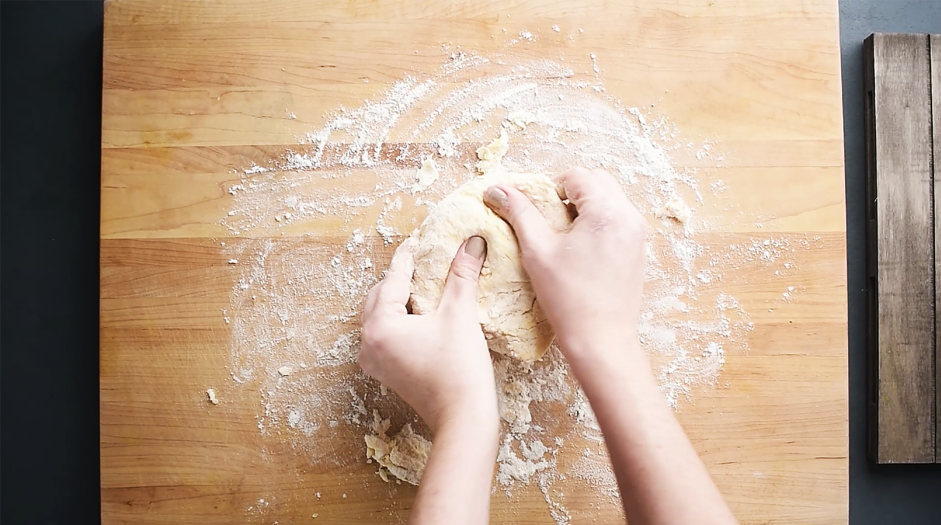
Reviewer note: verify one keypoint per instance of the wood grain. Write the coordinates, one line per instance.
(934, 49)
(905, 252)
(194, 90)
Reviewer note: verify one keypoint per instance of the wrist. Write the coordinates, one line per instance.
(592, 348)
(476, 436)
(480, 419)
(607, 359)
(618, 380)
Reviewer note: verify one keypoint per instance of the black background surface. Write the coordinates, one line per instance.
(50, 120)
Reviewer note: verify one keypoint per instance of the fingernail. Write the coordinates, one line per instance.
(495, 198)
(476, 247)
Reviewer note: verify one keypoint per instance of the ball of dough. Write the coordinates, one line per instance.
(508, 311)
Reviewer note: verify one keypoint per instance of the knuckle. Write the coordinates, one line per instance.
(514, 208)
(373, 293)
(462, 269)
(372, 336)
(535, 255)
(636, 222)
(517, 204)
(574, 192)
(365, 360)
(634, 228)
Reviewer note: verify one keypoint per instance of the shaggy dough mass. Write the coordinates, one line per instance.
(508, 311)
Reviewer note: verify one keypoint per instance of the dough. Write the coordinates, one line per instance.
(403, 455)
(509, 314)
(520, 118)
(492, 154)
(426, 175)
(675, 208)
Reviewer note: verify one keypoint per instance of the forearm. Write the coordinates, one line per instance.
(456, 484)
(662, 479)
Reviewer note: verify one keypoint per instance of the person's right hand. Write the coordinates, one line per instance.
(589, 280)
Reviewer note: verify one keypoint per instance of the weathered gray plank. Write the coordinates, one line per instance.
(935, 53)
(905, 254)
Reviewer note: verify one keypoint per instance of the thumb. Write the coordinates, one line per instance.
(532, 230)
(461, 286)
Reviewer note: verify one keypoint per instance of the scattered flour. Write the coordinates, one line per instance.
(297, 299)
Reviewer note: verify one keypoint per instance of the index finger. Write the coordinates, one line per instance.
(394, 289)
(588, 190)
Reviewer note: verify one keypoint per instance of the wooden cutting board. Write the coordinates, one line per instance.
(194, 92)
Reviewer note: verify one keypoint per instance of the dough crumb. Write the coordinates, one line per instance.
(403, 455)
(212, 396)
(675, 208)
(285, 371)
(315, 516)
(426, 175)
(492, 154)
(520, 118)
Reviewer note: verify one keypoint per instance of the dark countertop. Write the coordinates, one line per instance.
(888, 494)
(50, 129)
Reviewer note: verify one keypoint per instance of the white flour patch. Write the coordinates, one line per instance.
(296, 299)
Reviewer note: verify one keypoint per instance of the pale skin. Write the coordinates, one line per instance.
(588, 282)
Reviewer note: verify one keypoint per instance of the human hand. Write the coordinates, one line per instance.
(589, 280)
(438, 363)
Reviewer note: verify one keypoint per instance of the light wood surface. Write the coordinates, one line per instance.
(903, 208)
(193, 90)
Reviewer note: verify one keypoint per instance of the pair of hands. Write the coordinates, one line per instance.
(588, 281)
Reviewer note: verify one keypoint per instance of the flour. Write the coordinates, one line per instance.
(296, 299)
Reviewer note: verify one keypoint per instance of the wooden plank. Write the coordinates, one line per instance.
(935, 52)
(903, 213)
(872, 304)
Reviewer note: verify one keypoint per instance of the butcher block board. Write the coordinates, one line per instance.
(197, 92)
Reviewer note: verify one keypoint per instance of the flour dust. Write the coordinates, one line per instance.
(313, 228)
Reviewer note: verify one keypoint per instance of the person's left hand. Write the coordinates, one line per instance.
(438, 363)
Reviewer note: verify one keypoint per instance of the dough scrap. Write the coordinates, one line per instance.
(508, 311)
(520, 118)
(403, 455)
(675, 208)
(492, 154)
(426, 175)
